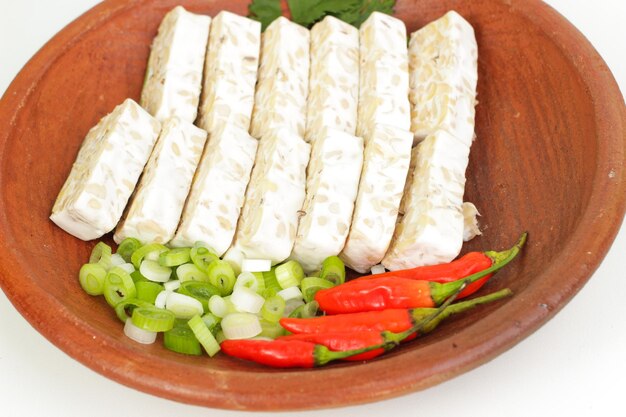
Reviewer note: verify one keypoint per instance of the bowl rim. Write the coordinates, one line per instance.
(603, 214)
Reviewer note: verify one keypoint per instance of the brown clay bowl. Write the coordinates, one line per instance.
(549, 159)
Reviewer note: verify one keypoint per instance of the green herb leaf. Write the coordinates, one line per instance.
(358, 15)
(264, 11)
(354, 12)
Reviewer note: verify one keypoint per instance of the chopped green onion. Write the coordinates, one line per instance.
(220, 306)
(289, 274)
(190, 272)
(183, 306)
(260, 282)
(124, 309)
(117, 260)
(315, 273)
(256, 265)
(172, 285)
(219, 336)
(136, 276)
(204, 335)
(175, 257)
(247, 280)
(222, 276)
(118, 286)
(181, 339)
(202, 257)
(150, 251)
(292, 305)
(91, 278)
(271, 284)
(311, 285)
(291, 293)
(128, 267)
(333, 270)
(161, 300)
(127, 247)
(247, 300)
(201, 291)
(153, 319)
(273, 308)
(101, 254)
(155, 272)
(211, 321)
(306, 311)
(142, 336)
(241, 326)
(270, 329)
(378, 269)
(148, 291)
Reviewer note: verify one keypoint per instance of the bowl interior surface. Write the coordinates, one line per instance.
(541, 152)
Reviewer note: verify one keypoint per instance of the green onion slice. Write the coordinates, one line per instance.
(148, 291)
(306, 311)
(124, 309)
(220, 306)
(333, 270)
(204, 335)
(127, 247)
(101, 254)
(190, 272)
(118, 286)
(202, 256)
(222, 276)
(271, 329)
(247, 300)
(256, 265)
(273, 308)
(291, 293)
(142, 336)
(211, 321)
(153, 319)
(175, 257)
(91, 278)
(311, 285)
(183, 306)
(201, 291)
(241, 326)
(247, 280)
(155, 272)
(271, 284)
(289, 274)
(260, 282)
(181, 339)
(150, 251)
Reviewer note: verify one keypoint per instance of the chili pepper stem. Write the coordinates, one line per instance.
(497, 257)
(323, 355)
(439, 292)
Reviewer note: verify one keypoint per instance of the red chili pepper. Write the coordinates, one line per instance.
(344, 341)
(393, 320)
(391, 292)
(465, 266)
(303, 354)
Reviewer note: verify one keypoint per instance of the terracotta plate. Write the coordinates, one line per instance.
(549, 158)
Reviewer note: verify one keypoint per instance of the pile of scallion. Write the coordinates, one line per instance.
(196, 299)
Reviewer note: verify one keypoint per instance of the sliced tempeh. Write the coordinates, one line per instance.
(384, 75)
(218, 190)
(431, 230)
(283, 84)
(334, 77)
(156, 206)
(269, 219)
(230, 72)
(105, 172)
(443, 61)
(385, 166)
(331, 188)
(174, 74)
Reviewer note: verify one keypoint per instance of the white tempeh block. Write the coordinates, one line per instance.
(384, 75)
(334, 77)
(431, 230)
(470, 222)
(156, 206)
(331, 188)
(443, 62)
(230, 72)
(283, 84)
(406, 195)
(105, 172)
(218, 190)
(269, 219)
(385, 166)
(174, 75)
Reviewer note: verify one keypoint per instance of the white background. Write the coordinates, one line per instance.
(575, 365)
